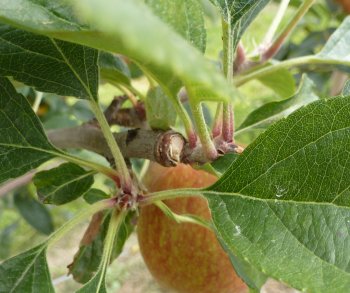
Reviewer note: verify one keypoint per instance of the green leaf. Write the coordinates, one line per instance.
(251, 276)
(239, 14)
(26, 272)
(274, 111)
(283, 205)
(48, 64)
(305, 245)
(346, 89)
(35, 213)
(23, 144)
(7, 237)
(113, 68)
(281, 81)
(159, 110)
(63, 184)
(36, 14)
(88, 257)
(223, 163)
(185, 17)
(163, 53)
(94, 195)
(96, 284)
(338, 45)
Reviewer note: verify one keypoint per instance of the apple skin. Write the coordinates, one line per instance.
(345, 4)
(185, 257)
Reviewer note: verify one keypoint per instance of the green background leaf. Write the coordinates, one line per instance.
(346, 89)
(63, 184)
(281, 81)
(159, 110)
(338, 45)
(273, 111)
(113, 69)
(34, 212)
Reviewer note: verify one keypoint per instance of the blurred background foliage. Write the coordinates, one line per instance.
(21, 228)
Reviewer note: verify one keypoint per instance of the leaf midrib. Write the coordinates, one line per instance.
(27, 269)
(296, 238)
(283, 159)
(86, 87)
(69, 182)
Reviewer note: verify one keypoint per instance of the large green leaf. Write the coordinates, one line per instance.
(63, 184)
(158, 49)
(27, 272)
(283, 205)
(185, 17)
(305, 245)
(273, 111)
(48, 64)
(23, 144)
(303, 157)
(239, 14)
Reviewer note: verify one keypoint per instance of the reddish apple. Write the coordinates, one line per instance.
(183, 257)
(345, 4)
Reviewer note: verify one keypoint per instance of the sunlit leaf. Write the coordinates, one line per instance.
(273, 111)
(283, 205)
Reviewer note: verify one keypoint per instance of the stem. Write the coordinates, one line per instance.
(170, 194)
(37, 101)
(85, 213)
(202, 130)
(125, 179)
(311, 59)
(276, 22)
(227, 122)
(217, 125)
(227, 38)
(182, 218)
(115, 223)
(128, 93)
(276, 45)
(186, 120)
(91, 165)
(227, 117)
(135, 91)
